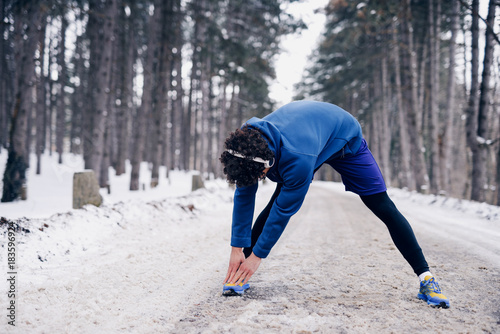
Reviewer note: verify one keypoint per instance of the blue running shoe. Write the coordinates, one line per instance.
(431, 293)
(231, 289)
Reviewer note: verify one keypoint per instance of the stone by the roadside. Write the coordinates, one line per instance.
(85, 189)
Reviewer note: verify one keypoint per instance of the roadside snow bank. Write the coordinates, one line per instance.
(51, 192)
(51, 241)
(98, 269)
(482, 210)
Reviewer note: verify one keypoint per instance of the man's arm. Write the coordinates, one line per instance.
(286, 205)
(297, 175)
(241, 230)
(243, 209)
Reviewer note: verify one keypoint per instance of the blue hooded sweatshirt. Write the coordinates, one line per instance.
(302, 135)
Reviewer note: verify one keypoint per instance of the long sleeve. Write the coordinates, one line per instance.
(297, 174)
(243, 208)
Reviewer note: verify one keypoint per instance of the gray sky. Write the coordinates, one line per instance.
(291, 62)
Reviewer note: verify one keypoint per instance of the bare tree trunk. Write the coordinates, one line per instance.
(187, 127)
(375, 121)
(498, 176)
(61, 103)
(472, 108)
(434, 45)
(448, 129)
(29, 123)
(205, 61)
(105, 162)
(238, 110)
(223, 124)
(196, 135)
(172, 126)
(160, 106)
(27, 19)
(405, 172)
(41, 104)
(205, 114)
(190, 130)
(479, 179)
(78, 101)
(52, 99)
(3, 86)
(110, 124)
(177, 104)
(237, 118)
(126, 55)
(100, 87)
(421, 78)
(385, 140)
(147, 98)
(211, 128)
(410, 100)
(87, 109)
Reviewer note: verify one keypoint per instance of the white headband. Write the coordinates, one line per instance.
(267, 163)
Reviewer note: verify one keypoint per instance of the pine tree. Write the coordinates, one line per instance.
(27, 16)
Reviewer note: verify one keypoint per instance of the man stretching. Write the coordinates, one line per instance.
(288, 146)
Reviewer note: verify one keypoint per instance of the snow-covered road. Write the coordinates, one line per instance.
(157, 267)
(335, 270)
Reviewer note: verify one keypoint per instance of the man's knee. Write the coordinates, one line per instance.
(380, 204)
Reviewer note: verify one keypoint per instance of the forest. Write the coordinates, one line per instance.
(165, 81)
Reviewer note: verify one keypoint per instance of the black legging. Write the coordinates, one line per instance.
(382, 206)
(399, 229)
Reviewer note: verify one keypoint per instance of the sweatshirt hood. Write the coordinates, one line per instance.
(271, 133)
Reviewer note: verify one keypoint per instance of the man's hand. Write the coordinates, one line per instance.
(241, 269)
(247, 269)
(236, 258)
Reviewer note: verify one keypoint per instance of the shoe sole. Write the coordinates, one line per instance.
(231, 292)
(436, 305)
(441, 305)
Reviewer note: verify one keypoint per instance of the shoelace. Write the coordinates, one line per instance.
(431, 286)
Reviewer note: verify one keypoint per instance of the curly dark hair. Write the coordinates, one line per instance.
(249, 142)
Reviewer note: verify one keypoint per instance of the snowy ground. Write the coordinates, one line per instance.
(51, 192)
(153, 262)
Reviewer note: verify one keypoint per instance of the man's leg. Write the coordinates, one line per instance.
(361, 175)
(404, 239)
(399, 228)
(258, 226)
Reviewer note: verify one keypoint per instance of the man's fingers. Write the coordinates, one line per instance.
(235, 277)
(227, 277)
(242, 275)
(246, 270)
(243, 271)
(235, 261)
(232, 278)
(244, 278)
(230, 274)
